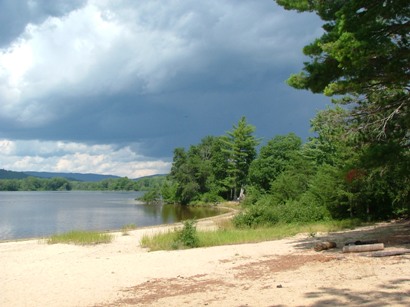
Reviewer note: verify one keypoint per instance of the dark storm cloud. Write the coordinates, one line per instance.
(151, 76)
(16, 14)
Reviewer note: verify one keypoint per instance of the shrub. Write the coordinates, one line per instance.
(211, 198)
(151, 197)
(188, 236)
(256, 216)
(266, 212)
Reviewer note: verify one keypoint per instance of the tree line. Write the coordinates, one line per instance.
(63, 184)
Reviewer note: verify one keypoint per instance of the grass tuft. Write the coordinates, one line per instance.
(79, 237)
(126, 228)
(160, 241)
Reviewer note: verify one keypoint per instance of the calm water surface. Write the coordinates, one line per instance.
(39, 214)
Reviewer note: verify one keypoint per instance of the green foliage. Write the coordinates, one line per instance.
(289, 185)
(160, 241)
(168, 192)
(35, 184)
(215, 169)
(240, 145)
(149, 182)
(112, 184)
(274, 158)
(211, 198)
(62, 184)
(151, 197)
(187, 236)
(365, 44)
(363, 57)
(199, 171)
(266, 212)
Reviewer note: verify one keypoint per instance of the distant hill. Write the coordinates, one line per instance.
(4, 174)
(71, 176)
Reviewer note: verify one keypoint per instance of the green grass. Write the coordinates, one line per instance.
(80, 238)
(126, 228)
(161, 241)
(227, 234)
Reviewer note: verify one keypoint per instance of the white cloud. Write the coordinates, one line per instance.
(77, 158)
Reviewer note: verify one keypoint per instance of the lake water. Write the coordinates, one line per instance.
(41, 214)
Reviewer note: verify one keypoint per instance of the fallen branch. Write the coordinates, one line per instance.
(390, 253)
(362, 242)
(363, 248)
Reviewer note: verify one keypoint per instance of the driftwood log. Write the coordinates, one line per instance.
(363, 248)
(324, 245)
(390, 253)
(363, 242)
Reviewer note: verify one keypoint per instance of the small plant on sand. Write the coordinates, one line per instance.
(187, 236)
(80, 238)
(126, 228)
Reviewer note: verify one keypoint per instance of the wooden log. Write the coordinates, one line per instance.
(363, 242)
(324, 246)
(363, 248)
(390, 253)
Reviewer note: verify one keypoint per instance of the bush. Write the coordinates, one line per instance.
(207, 198)
(151, 197)
(256, 215)
(188, 236)
(267, 213)
(211, 198)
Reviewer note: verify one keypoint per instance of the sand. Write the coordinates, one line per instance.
(285, 272)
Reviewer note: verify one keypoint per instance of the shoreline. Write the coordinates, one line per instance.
(285, 272)
(230, 213)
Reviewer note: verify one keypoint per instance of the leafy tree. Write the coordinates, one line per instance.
(363, 58)
(149, 182)
(363, 55)
(32, 184)
(168, 192)
(273, 159)
(58, 184)
(199, 172)
(183, 175)
(151, 197)
(365, 46)
(207, 171)
(240, 145)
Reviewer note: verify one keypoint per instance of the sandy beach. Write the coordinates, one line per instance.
(285, 272)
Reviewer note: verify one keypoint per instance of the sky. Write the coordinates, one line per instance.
(114, 86)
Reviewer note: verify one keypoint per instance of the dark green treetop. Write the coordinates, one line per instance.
(363, 54)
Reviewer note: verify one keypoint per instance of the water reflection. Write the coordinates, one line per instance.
(39, 214)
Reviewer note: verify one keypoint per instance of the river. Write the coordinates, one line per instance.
(41, 214)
